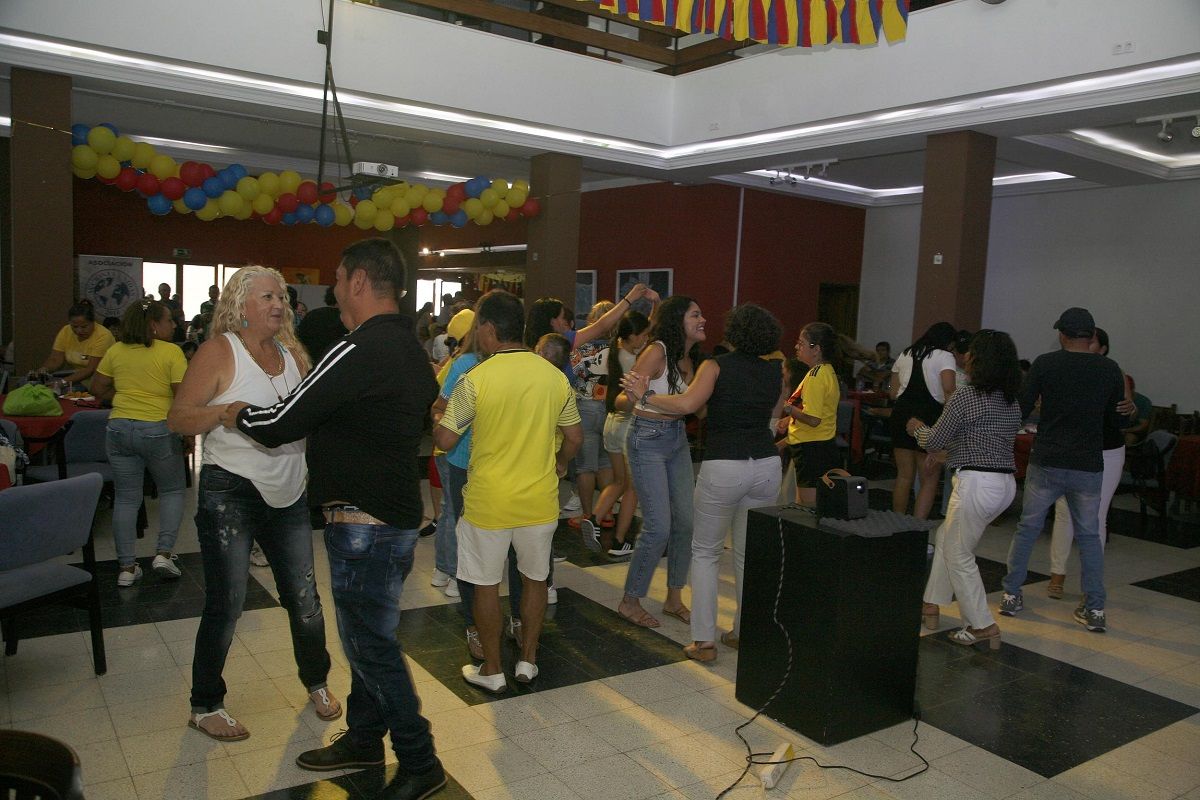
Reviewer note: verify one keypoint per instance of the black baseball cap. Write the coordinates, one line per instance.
(1076, 322)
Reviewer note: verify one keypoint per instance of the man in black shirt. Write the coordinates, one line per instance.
(1078, 389)
(363, 407)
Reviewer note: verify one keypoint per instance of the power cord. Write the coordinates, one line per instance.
(787, 672)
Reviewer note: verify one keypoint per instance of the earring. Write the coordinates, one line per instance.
(245, 322)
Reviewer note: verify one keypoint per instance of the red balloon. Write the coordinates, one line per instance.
(306, 192)
(513, 215)
(328, 195)
(147, 184)
(126, 179)
(531, 207)
(457, 192)
(450, 204)
(191, 174)
(172, 188)
(354, 201)
(287, 203)
(207, 171)
(273, 216)
(419, 216)
(402, 221)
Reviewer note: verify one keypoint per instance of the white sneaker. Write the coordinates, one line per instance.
(492, 683)
(525, 672)
(439, 578)
(126, 578)
(452, 588)
(257, 557)
(166, 566)
(551, 595)
(571, 508)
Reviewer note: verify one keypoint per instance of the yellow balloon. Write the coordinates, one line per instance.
(262, 204)
(107, 166)
(488, 197)
(181, 206)
(432, 201)
(383, 198)
(84, 157)
(123, 149)
(500, 187)
(101, 139)
(522, 185)
(142, 155)
(86, 174)
(247, 187)
(245, 212)
(485, 217)
(268, 183)
(230, 202)
(473, 207)
(365, 211)
(384, 221)
(210, 211)
(289, 181)
(516, 197)
(500, 210)
(415, 194)
(342, 214)
(361, 223)
(162, 167)
(400, 207)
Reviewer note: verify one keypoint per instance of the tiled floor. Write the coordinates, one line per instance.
(618, 714)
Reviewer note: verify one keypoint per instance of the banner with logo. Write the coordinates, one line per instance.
(110, 282)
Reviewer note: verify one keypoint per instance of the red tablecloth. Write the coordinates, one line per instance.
(5, 479)
(1183, 473)
(1022, 446)
(38, 430)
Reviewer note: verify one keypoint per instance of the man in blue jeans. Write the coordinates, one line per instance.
(1077, 389)
(362, 408)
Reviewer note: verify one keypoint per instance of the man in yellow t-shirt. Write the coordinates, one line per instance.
(514, 403)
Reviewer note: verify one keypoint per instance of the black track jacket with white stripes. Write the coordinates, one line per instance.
(363, 407)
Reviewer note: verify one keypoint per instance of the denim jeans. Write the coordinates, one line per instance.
(454, 490)
(592, 456)
(133, 447)
(230, 516)
(367, 567)
(661, 463)
(1043, 486)
(445, 541)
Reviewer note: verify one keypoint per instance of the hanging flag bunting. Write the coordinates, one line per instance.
(788, 23)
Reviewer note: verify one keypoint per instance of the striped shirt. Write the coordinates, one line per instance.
(978, 428)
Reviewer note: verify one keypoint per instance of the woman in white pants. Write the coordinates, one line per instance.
(977, 425)
(740, 471)
(1114, 462)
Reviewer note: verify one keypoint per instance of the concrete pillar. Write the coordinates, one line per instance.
(553, 254)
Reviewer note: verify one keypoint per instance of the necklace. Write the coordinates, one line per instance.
(279, 367)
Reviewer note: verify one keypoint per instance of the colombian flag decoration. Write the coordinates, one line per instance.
(789, 23)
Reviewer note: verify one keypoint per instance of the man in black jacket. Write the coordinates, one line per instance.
(362, 407)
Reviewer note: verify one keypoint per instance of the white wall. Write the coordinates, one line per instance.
(1129, 255)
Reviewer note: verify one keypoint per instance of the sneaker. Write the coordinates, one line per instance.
(1010, 604)
(166, 566)
(452, 588)
(571, 508)
(1092, 619)
(127, 578)
(257, 557)
(341, 753)
(474, 646)
(551, 596)
(525, 672)
(492, 683)
(590, 534)
(513, 630)
(430, 529)
(557, 556)
(439, 578)
(621, 550)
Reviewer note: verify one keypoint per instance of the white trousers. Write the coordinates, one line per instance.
(977, 499)
(725, 492)
(1064, 532)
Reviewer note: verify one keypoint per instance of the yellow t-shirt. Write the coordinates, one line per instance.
(514, 403)
(142, 377)
(819, 395)
(77, 353)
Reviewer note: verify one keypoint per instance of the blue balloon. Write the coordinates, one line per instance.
(159, 205)
(439, 218)
(79, 133)
(304, 213)
(213, 187)
(324, 215)
(238, 170)
(228, 178)
(362, 192)
(473, 188)
(458, 218)
(289, 218)
(195, 198)
(111, 127)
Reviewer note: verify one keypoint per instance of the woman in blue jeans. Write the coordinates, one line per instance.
(140, 375)
(661, 461)
(249, 492)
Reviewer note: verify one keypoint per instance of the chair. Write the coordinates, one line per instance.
(12, 432)
(845, 421)
(34, 766)
(38, 524)
(1146, 470)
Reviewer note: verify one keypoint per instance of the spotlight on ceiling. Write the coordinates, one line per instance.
(1164, 135)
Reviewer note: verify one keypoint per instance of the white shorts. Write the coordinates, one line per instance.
(482, 552)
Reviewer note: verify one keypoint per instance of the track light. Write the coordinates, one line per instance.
(1165, 136)
(1196, 130)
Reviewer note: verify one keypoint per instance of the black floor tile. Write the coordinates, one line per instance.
(993, 572)
(363, 784)
(1185, 584)
(1033, 710)
(1153, 528)
(568, 541)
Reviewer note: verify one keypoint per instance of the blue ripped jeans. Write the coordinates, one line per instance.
(367, 567)
(230, 516)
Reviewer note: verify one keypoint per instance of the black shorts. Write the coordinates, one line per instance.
(902, 413)
(814, 459)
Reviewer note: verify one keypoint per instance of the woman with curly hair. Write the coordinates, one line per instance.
(661, 460)
(740, 471)
(978, 425)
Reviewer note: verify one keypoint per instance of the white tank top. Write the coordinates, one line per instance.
(662, 384)
(279, 473)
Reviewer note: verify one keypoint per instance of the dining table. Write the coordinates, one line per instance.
(1183, 470)
(42, 431)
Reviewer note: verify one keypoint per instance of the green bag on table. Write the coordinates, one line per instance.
(32, 400)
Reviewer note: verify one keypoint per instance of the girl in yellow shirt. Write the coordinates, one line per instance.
(812, 411)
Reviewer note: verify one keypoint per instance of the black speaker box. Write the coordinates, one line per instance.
(852, 607)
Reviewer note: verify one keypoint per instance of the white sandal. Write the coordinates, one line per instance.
(197, 721)
(326, 706)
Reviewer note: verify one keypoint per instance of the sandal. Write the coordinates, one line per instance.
(699, 652)
(730, 640)
(683, 614)
(325, 704)
(930, 614)
(642, 618)
(198, 721)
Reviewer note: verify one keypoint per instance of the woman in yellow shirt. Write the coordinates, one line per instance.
(80, 344)
(140, 375)
(812, 411)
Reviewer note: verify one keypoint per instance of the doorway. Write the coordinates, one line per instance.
(837, 305)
